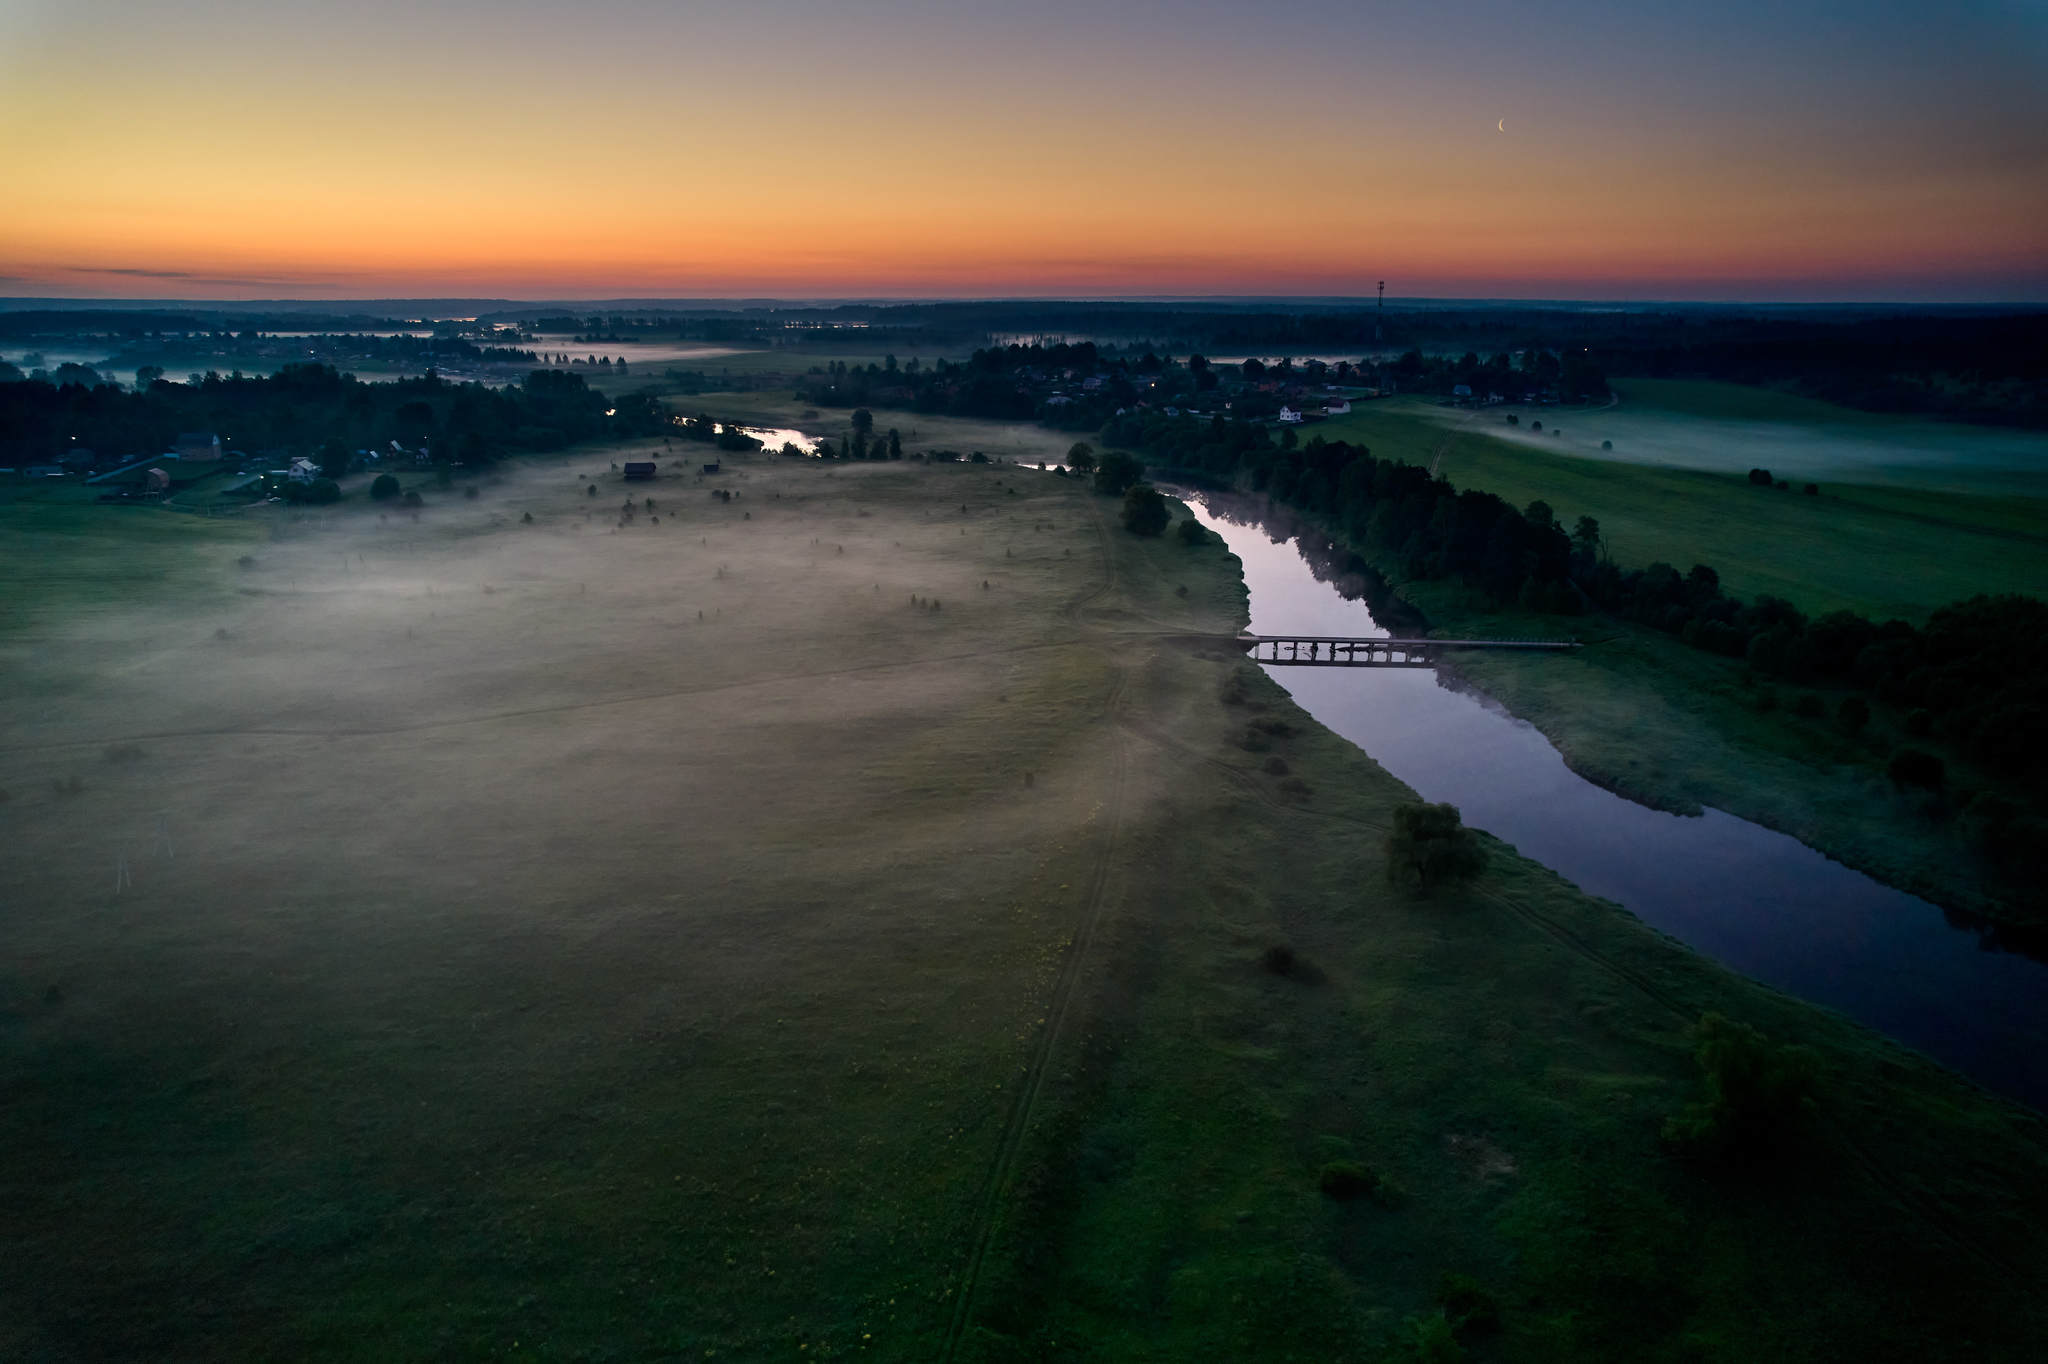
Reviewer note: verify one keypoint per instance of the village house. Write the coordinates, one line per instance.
(1289, 416)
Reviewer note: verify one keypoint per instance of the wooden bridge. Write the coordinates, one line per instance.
(1325, 651)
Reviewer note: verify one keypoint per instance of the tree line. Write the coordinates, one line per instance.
(1972, 680)
(310, 406)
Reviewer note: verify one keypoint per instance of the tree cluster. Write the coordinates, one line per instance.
(305, 407)
(1756, 1094)
(1385, 506)
(1430, 845)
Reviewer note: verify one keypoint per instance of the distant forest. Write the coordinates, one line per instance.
(1977, 365)
(307, 407)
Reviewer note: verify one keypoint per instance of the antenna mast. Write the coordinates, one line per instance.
(1379, 316)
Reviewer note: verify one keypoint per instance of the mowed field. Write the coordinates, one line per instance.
(1886, 549)
(843, 922)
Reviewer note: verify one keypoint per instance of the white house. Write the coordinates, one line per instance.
(303, 470)
(1336, 407)
(1289, 415)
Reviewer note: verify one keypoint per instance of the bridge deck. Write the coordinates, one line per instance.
(1337, 651)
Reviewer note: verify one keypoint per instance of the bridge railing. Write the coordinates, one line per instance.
(1373, 651)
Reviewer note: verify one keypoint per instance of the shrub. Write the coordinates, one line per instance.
(384, 487)
(1916, 767)
(1756, 1094)
(1811, 490)
(1760, 478)
(1431, 1340)
(1277, 960)
(1276, 766)
(1468, 1305)
(323, 491)
(1606, 445)
(1432, 844)
(1193, 532)
(414, 500)
(1346, 1180)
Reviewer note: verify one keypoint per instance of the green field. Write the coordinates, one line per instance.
(1732, 428)
(594, 938)
(1884, 550)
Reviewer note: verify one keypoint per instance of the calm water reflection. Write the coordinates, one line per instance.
(1760, 901)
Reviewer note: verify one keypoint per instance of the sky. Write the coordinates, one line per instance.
(989, 148)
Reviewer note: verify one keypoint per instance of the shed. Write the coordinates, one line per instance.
(639, 469)
(711, 468)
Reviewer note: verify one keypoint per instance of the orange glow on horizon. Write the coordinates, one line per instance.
(375, 172)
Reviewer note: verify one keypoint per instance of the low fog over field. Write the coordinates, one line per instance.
(514, 887)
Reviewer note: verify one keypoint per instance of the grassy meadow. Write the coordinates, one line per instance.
(838, 922)
(1676, 728)
(1884, 549)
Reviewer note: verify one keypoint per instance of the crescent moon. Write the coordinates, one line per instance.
(1503, 125)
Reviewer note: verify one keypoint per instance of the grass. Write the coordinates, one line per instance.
(65, 560)
(483, 956)
(1640, 713)
(1499, 1061)
(1675, 728)
(1882, 550)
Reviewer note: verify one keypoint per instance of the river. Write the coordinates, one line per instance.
(1759, 901)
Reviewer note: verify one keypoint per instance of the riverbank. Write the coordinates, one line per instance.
(735, 928)
(1678, 729)
(1501, 1057)
(1638, 712)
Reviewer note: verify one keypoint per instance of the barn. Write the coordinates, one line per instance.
(639, 469)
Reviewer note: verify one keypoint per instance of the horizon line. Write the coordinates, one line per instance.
(1366, 301)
